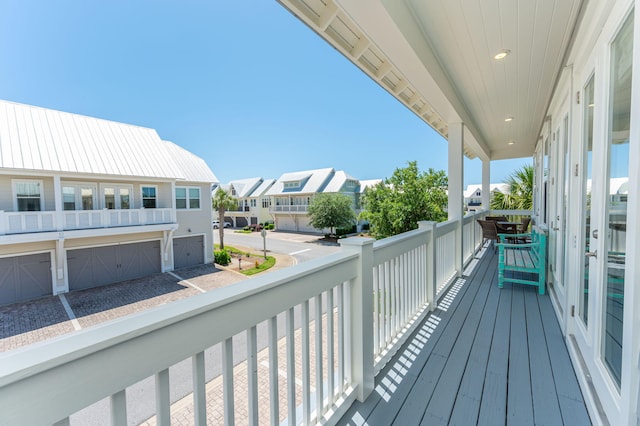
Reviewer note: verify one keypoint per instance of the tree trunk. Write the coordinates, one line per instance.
(221, 227)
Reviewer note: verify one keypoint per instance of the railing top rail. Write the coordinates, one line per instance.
(391, 247)
(511, 212)
(136, 346)
(443, 228)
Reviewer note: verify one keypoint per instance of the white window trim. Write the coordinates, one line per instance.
(187, 199)
(142, 186)
(116, 186)
(14, 182)
(78, 186)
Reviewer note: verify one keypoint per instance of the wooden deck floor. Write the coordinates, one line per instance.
(486, 356)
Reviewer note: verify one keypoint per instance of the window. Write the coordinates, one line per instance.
(253, 202)
(292, 184)
(117, 196)
(266, 203)
(187, 198)
(149, 197)
(69, 197)
(78, 196)
(28, 194)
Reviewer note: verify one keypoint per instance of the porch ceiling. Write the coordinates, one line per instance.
(437, 58)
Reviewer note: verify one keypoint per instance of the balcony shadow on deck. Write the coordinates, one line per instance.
(485, 356)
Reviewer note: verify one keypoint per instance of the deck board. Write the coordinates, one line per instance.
(493, 356)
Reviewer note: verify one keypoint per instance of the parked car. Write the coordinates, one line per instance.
(216, 224)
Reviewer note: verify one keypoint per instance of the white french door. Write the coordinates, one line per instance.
(606, 120)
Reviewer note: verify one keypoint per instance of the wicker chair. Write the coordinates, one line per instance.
(524, 225)
(489, 231)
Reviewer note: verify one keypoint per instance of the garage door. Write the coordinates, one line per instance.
(285, 223)
(241, 222)
(25, 277)
(305, 226)
(188, 251)
(96, 266)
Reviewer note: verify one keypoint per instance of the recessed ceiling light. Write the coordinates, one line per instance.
(508, 119)
(502, 54)
(511, 142)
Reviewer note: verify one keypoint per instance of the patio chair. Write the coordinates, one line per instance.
(489, 231)
(524, 225)
(496, 218)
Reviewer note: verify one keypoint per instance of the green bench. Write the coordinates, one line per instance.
(528, 257)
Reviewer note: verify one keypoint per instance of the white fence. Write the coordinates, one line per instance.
(25, 222)
(330, 326)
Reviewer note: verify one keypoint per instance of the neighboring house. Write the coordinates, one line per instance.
(253, 205)
(473, 194)
(292, 193)
(88, 202)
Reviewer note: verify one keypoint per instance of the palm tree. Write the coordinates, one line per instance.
(222, 201)
(520, 195)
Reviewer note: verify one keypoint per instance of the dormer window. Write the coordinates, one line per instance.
(292, 184)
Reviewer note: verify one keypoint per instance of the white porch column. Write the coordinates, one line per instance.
(57, 195)
(486, 181)
(360, 344)
(456, 181)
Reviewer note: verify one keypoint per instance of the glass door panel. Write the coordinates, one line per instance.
(588, 106)
(616, 202)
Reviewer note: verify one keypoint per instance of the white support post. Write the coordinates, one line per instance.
(431, 285)
(361, 313)
(486, 185)
(456, 180)
(57, 194)
(119, 409)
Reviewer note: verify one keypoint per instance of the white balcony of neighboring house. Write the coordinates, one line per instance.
(48, 221)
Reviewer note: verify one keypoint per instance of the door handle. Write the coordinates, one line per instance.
(592, 254)
(594, 234)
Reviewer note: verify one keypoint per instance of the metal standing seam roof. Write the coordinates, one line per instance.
(316, 181)
(193, 168)
(264, 187)
(40, 139)
(244, 187)
(338, 181)
(364, 184)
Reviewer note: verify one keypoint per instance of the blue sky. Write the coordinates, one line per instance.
(244, 85)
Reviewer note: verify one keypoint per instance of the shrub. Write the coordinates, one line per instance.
(246, 228)
(269, 226)
(222, 257)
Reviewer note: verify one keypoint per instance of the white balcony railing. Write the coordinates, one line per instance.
(26, 222)
(330, 325)
(289, 209)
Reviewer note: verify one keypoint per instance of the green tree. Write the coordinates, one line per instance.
(331, 211)
(520, 195)
(408, 196)
(221, 202)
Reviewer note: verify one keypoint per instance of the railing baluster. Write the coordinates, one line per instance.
(306, 386)
(163, 403)
(342, 335)
(273, 371)
(252, 374)
(393, 269)
(330, 348)
(387, 304)
(119, 408)
(291, 367)
(376, 310)
(319, 360)
(199, 390)
(63, 422)
(381, 312)
(227, 382)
